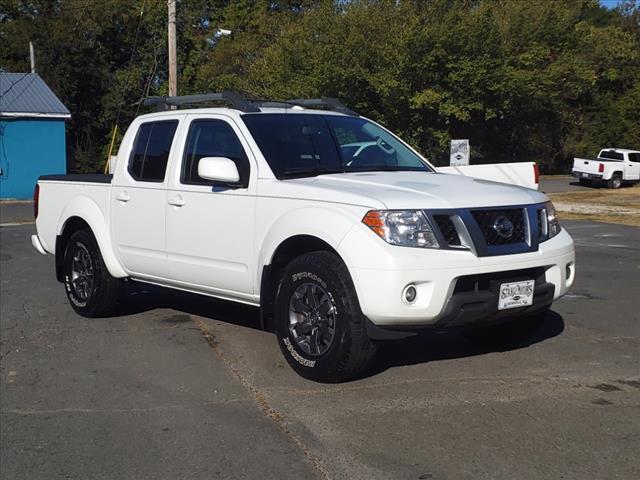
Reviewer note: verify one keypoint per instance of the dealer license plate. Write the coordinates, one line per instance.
(516, 294)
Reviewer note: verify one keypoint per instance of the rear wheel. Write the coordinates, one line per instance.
(514, 333)
(90, 288)
(615, 181)
(320, 328)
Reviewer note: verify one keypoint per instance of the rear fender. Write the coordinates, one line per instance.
(86, 208)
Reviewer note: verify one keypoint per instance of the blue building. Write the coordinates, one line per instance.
(32, 134)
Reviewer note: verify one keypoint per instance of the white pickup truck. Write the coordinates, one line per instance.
(614, 166)
(340, 232)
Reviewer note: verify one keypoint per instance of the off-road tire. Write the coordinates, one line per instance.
(513, 333)
(103, 295)
(615, 181)
(351, 351)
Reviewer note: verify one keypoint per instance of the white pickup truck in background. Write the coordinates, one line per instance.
(339, 231)
(614, 166)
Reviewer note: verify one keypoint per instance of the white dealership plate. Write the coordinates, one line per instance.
(585, 174)
(516, 294)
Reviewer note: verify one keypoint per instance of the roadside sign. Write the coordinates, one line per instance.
(459, 153)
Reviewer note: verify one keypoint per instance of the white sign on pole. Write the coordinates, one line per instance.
(459, 153)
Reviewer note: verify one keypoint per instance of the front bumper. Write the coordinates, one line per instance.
(437, 276)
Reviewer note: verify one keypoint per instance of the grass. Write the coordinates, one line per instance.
(600, 204)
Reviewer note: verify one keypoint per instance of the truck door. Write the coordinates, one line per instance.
(138, 200)
(210, 227)
(632, 167)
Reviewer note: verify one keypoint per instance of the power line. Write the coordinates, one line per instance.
(277, 37)
(133, 51)
(84, 5)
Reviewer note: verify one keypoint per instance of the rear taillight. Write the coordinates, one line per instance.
(536, 174)
(36, 198)
(601, 168)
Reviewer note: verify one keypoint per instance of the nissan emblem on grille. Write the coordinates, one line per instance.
(503, 226)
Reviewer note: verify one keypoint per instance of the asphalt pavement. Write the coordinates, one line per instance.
(560, 184)
(16, 212)
(185, 387)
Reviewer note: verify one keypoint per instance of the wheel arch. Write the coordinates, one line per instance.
(84, 213)
(286, 251)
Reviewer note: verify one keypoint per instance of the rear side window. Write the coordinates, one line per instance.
(634, 157)
(611, 155)
(212, 138)
(150, 153)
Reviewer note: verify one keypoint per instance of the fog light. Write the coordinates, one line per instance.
(569, 268)
(410, 294)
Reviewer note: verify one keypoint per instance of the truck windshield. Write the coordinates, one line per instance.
(611, 155)
(300, 144)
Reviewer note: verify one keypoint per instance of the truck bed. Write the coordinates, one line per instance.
(83, 195)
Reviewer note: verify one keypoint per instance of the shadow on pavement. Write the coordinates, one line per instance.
(423, 348)
(141, 298)
(430, 347)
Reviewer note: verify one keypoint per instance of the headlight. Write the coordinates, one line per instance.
(407, 228)
(549, 222)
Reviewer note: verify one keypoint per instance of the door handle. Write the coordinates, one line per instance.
(177, 201)
(123, 197)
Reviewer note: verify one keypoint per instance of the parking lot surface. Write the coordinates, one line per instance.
(181, 387)
(560, 184)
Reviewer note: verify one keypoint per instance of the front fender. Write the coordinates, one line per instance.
(329, 224)
(88, 210)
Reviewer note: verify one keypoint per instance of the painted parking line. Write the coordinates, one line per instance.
(16, 224)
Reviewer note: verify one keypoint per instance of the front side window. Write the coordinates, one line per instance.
(212, 138)
(150, 153)
(313, 144)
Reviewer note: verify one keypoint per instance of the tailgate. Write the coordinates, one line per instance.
(586, 166)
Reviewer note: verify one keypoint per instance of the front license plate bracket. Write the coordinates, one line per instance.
(515, 294)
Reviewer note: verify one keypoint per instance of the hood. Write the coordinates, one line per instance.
(406, 190)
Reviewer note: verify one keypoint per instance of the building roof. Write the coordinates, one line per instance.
(26, 95)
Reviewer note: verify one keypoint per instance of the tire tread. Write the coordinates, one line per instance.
(360, 350)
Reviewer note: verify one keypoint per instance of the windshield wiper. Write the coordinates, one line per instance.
(309, 172)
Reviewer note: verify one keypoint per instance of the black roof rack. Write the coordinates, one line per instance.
(244, 105)
(236, 100)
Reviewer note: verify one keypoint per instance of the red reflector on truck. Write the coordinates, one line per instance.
(536, 174)
(36, 198)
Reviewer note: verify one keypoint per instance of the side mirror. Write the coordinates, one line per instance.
(218, 169)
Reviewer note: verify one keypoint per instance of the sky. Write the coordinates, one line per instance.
(610, 3)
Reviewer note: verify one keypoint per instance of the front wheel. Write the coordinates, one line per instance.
(320, 328)
(90, 288)
(514, 333)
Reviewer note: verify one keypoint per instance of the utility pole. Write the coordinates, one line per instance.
(173, 67)
(32, 56)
